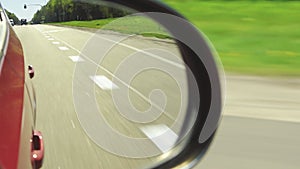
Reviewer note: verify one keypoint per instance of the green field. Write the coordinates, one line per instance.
(251, 37)
(130, 25)
(88, 24)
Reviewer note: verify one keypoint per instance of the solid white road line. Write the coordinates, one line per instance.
(104, 83)
(110, 73)
(161, 135)
(76, 58)
(88, 141)
(127, 85)
(63, 48)
(178, 65)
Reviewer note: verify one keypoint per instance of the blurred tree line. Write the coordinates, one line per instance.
(12, 16)
(70, 10)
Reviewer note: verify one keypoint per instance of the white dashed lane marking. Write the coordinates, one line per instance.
(50, 39)
(76, 58)
(73, 125)
(104, 83)
(55, 43)
(54, 31)
(161, 135)
(63, 48)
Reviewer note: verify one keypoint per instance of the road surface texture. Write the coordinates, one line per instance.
(259, 128)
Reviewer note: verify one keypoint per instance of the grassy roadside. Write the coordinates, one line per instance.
(130, 25)
(251, 37)
(97, 24)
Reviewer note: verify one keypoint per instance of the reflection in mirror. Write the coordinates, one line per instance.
(112, 89)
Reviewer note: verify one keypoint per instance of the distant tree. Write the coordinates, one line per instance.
(13, 17)
(69, 10)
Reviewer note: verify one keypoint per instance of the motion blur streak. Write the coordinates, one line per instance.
(260, 127)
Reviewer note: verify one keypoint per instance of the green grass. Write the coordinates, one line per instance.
(252, 37)
(130, 25)
(88, 24)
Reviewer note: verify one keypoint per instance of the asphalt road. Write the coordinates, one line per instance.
(259, 128)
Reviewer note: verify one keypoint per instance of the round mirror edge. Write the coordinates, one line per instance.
(194, 150)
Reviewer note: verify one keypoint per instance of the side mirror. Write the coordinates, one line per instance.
(177, 76)
(145, 88)
(25, 6)
(37, 152)
(30, 71)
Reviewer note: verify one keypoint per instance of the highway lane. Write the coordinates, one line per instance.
(249, 143)
(246, 137)
(51, 50)
(260, 125)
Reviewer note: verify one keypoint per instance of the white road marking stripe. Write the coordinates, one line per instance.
(53, 31)
(55, 43)
(161, 135)
(63, 48)
(263, 117)
(76, 58)
(47, 37)
(180, 66)
(73, 125)
(50, 39)
(104, 83)
(110, 73)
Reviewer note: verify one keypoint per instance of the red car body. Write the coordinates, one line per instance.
(21, 146)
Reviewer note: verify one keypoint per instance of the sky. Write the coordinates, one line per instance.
(17, 7)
